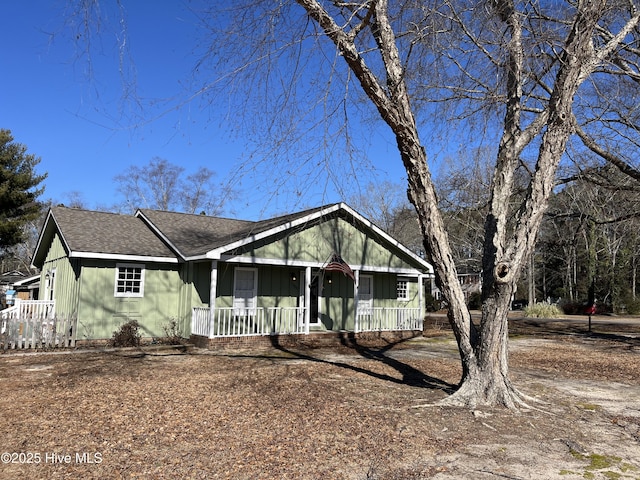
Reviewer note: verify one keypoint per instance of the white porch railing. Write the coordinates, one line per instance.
(200, 321)
(32, 324)
(229, 322)
(379, 319)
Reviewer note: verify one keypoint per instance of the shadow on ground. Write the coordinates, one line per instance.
(410, 376)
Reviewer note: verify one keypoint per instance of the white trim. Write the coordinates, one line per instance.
(20, 283)
(130, 258)
(213, 291)
(356, 299)
(57, 228)
(301, 302)
(158, 232)
(139, 294)
(410, 272)
(307, 299)
(421, 293)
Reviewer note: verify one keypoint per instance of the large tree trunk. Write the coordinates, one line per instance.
(505, 254)
(483, 351)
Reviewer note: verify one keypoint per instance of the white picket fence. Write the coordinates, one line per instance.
(33, 324)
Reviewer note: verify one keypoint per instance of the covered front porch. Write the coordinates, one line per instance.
(333, 274)
(284, 300)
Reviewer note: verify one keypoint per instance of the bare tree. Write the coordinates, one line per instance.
(540, 56)
(464, 200)
(161, 185)
(593, 223)
(541, 68)
(386, 205)
(379, 202)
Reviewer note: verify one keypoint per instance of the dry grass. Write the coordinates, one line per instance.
(330, 414)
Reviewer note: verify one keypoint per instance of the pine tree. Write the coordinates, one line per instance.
(18, 189)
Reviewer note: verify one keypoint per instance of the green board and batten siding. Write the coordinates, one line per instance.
(318, 242)
(159, 305)
(93, 302)
(275, 287)
(66, 280)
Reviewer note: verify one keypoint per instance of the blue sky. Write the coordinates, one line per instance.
(86, 132)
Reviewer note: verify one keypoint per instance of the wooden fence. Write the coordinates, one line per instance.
(33, 324)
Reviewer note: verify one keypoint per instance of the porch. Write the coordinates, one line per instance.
(262, 321)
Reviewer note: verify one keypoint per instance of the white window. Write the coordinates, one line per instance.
(245, 291)
(402, 287)
(129, 280)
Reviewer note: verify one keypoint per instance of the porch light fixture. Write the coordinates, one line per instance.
(328, 278)
(293, 277)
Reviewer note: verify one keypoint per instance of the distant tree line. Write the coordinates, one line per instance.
(589, 243)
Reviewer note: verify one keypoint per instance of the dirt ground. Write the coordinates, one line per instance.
(344, 413)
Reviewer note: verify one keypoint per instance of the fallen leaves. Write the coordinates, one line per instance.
(316, 414)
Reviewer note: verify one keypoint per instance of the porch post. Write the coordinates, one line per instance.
(307, 299)
(356, 285)
(213, 289)
(421, 294)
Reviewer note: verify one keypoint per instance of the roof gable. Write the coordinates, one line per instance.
(92, 234)
(316, 235)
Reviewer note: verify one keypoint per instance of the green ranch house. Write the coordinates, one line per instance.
(325, 269)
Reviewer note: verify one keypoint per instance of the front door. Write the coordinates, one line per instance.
(365, 295)
(314, 303)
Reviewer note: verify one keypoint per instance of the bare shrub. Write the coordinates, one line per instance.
(172, 333)
(127, 335)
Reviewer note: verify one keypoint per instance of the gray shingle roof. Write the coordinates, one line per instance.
(195, 235)
(168, 236)
(108, 233)
(152, 233)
